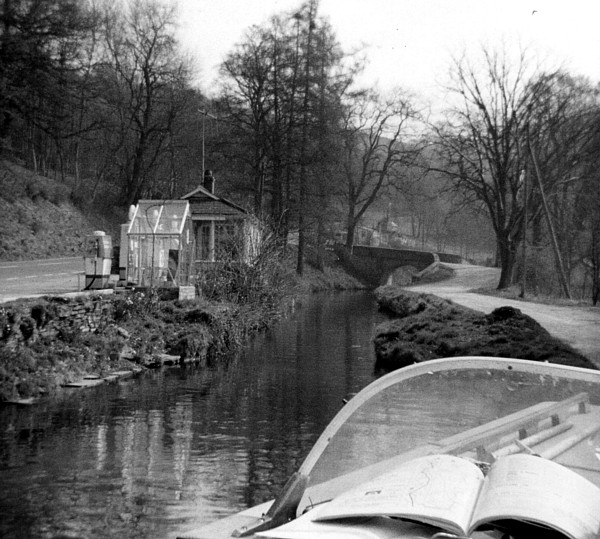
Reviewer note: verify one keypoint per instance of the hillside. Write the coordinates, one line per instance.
(38, 218)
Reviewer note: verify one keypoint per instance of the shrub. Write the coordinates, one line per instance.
(33, 189)
(136, 303)
(260, 280)
(60, 195)
(37, 227)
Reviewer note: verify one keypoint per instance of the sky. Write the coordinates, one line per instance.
(409, 43)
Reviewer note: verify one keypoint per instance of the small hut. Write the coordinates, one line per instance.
(222, 230)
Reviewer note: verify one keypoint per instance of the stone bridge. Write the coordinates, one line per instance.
(375, 265)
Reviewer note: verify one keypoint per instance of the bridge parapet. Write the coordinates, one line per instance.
(374, 265)
(400, 257)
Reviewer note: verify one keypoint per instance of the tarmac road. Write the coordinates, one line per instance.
(32, 278)
(578, 326)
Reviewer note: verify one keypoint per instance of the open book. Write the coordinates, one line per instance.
(453, 494)
(353, 528)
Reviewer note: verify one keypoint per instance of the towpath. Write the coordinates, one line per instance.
(578, 326)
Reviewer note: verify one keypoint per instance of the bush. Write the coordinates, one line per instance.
(60, 195)
(260, 280)
(136, 303)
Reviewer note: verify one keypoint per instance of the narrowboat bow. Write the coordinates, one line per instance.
(459, 447)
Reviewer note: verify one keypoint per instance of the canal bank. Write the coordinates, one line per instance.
(425, 326)
(51, 342)
(576, 324)
(172, 450)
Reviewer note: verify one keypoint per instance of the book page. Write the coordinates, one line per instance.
(440, 490)
(531, 488)
(304, 527)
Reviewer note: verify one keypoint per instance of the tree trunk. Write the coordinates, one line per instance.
(507, 252)
(350, 231)
(320, 245)
(259, 187)
(304, 146)
(301, 244)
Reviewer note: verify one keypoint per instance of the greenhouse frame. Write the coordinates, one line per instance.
(160, 244)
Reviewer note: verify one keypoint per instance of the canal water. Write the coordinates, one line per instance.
(178, 448)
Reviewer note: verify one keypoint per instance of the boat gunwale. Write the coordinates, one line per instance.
(240, 521)
(436, 366)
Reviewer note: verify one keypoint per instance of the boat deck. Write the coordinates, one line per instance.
(560, 431)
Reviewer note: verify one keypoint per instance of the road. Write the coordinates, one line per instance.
(33, 278)
(578, 326)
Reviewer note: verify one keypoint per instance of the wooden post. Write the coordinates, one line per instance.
(524, 240)
(559, 265)
(211, 242)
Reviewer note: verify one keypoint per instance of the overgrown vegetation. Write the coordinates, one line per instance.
(38, 218)
(142, 330)
(426, 327)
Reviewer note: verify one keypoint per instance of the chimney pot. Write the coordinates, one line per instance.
(209, 181)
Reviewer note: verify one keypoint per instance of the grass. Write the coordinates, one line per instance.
(514, 293)
(426, 327)
(43, 218)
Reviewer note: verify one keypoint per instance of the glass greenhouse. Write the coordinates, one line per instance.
(160, 244)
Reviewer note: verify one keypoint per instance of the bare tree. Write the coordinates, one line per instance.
(283, 86)
(560, 135)
(41, 76)
(147, 81)
(311, 14)
(252, 98)
(375, 152)
(587, 204)
(483, 144)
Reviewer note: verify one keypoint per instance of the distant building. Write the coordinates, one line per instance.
(222, 230)
(363, 235)
(167, 242)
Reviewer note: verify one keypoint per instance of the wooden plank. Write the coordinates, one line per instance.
(532, 441)
(121, 374)
(584, 426)
(522, 423)
(84, 383)
(21, 402)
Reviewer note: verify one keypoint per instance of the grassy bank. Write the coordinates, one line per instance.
(44, 218)
(424, 327)
(42, 349)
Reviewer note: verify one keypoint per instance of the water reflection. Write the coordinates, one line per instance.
(176, 449)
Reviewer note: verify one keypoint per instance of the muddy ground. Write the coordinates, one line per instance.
(424, 326)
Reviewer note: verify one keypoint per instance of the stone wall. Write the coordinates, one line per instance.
(393, 258)
(450, 259)
(28, 320)
(374, 265)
